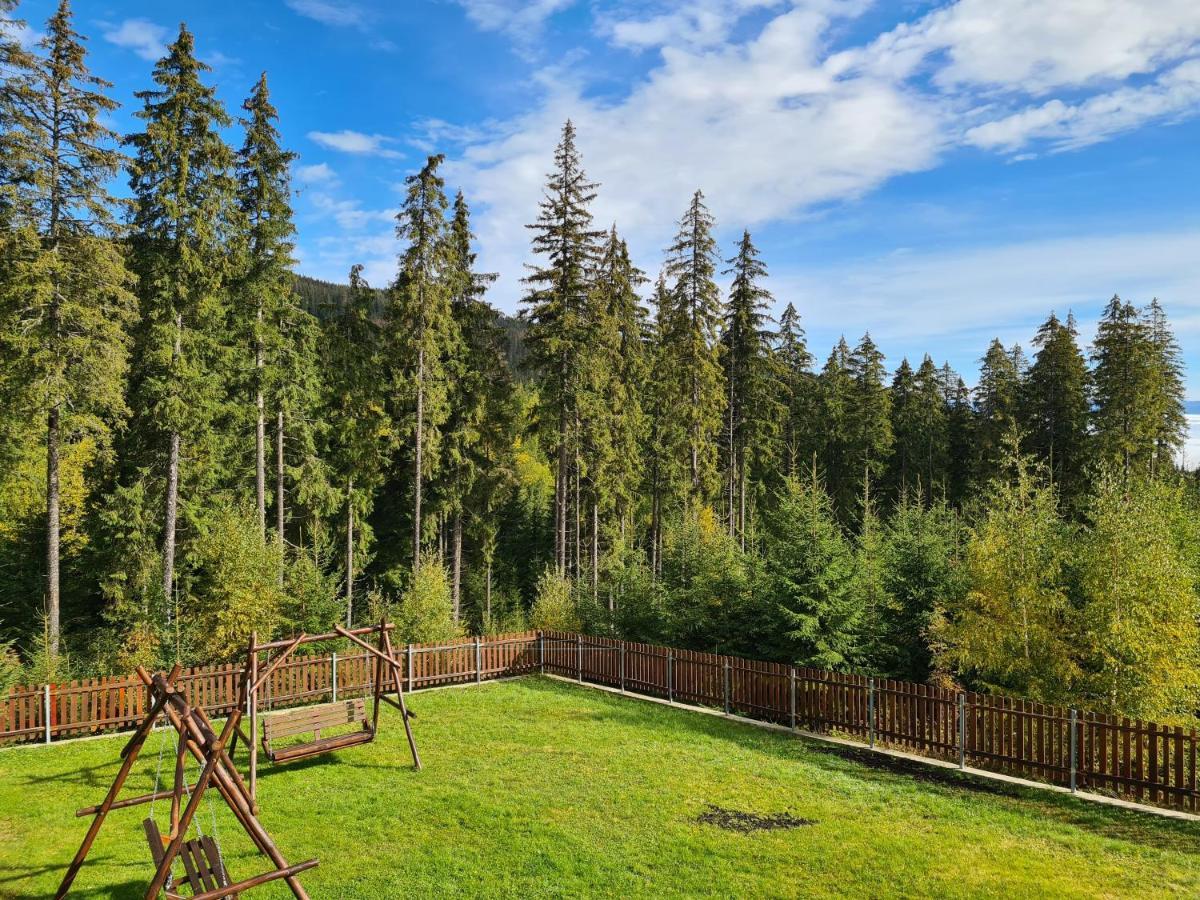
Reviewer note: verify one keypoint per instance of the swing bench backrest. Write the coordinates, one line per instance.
(201, 860)
(314, 719)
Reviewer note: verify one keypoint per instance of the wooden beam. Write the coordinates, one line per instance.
(279, 660)
(404, 717)
(313, 638)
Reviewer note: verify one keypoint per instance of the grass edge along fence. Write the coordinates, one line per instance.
(1132, 759)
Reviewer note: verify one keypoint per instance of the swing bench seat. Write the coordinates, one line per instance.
(314, 719)
(205, 876)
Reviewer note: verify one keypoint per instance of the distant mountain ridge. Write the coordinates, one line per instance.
(319, 297)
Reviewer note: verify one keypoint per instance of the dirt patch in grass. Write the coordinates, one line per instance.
(744, 822)
(918, 771)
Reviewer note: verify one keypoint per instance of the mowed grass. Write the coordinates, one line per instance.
(539, 788)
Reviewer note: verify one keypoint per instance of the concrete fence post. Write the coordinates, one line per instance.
(871, 712)
(962, 730)
(46, 709)
(478, 662)
(622, 667)
(335, 676)
(727, 679)
(1074, 748)
(792, 678)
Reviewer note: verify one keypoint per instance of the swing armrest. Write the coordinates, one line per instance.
(249, 882)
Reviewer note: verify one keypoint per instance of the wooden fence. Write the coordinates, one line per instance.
(1133, 759)
(1137, 760)
(94, 705)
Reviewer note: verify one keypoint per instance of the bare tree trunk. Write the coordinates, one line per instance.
(53, 530)
(280, 508)
(349, 553)
(417, 455)
(560, 494)
(595, 550)
(457, 565)
(487, 590)
(260, 436)
(742, 500)
(578, 523)
(172, 486)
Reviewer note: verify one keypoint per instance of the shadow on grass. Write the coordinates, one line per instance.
(133, 887)
(1145, 829)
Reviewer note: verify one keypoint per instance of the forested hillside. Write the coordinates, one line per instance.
(195, 442)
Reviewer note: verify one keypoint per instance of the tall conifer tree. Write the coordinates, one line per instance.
(422, 327)
(71, 307)
(264, 289)
(1055, 406)
(555, 309)
(753, 409)
(183, 191)
(692, 361)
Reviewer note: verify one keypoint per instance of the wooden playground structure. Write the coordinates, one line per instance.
(205, 876)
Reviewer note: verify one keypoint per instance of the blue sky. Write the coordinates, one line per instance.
(937, 173)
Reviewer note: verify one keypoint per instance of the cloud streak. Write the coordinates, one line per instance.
(355, 142)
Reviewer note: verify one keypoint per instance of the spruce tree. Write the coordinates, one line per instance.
(997, 400)
(422, 329)
(869, 426)
(478, 404)
(1055, 406)
(1126, 415)
(799, 392)
(692, 358)
(555, 309)
(182, 212)
(932, 418)
(905, 429)
(752, 409)
(70, 308)
(264, 289)
(835, 387)
(615, 421)
(1167, 366)
(359, 430)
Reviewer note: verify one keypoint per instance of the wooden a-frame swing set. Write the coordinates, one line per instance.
(205, 876)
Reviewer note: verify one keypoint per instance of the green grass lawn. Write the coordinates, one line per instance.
(535, 787)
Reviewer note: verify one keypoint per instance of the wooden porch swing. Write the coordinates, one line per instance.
(313, 720)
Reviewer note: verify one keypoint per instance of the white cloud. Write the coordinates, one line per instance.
(521, 20)
(761, 127)
(328, 12)
(701, 23)
(1070, 126)
(1035, 46)
(349, 214)
(318, 173)
(145, 38)
(355, 142)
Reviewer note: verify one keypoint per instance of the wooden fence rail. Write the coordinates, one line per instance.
(1138, 760)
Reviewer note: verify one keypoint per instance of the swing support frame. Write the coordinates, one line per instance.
(387, 678)
(196, 736)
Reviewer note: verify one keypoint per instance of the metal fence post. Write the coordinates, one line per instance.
(579, 649)
(335, 676)
(1074, 748)
(670, 677)
(726, 687)
(541, 653)
(478, 662)
(962, 730)
(622, 667)
(871, 712)
(46, 709)
(410, 668)
(792, 673)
